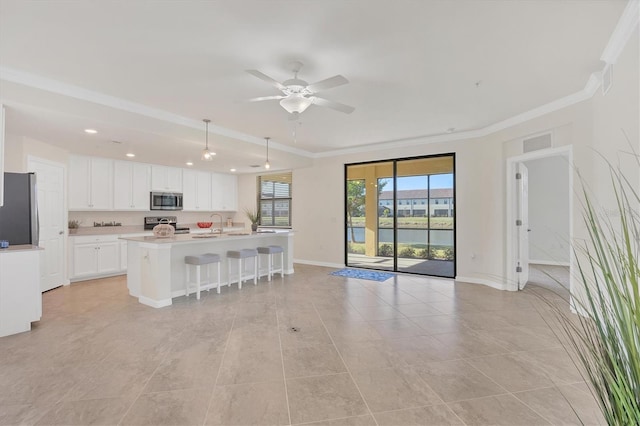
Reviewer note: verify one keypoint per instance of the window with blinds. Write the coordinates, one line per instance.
(274, 199)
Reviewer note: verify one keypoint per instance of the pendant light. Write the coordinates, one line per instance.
(266, 164)
(207, 155)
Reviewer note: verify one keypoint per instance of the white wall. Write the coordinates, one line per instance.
(549, 210)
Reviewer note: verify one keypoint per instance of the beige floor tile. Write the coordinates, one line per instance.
(304, 337)
(347, 421)
(397, 328)
(511, 372)
(496, 410)
(439, 324)
(250, 367)
(181, 407)
(249, 404)
(468, 344)
(436, 415)
(394, 389)
(312, 361)
(419, 349)
(324, 398)
(417, 310)
(523, 338)
(369, 355)
(352, 331)
(21, 414)
(255, 338)
(89, 412)
(190, 366)
(378, 313)
(457, 380)
(556, 363)
(559, 405)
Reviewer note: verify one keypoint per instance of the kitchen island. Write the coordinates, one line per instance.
(156, 269)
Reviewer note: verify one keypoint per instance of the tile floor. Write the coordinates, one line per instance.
(411, 350)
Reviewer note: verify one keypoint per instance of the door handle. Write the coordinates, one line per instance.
(61, 232)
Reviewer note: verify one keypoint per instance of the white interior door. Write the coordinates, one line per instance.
(51, 214)
(522, 224)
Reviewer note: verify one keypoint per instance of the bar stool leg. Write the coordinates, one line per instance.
(219, 266)
(198, 282)
(239, 274)
(186, 287)
(255, 270)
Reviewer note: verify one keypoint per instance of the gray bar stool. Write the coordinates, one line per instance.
(198, 261)
(243, 255)
(269, 251)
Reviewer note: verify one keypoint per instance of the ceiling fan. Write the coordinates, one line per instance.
(298, 95)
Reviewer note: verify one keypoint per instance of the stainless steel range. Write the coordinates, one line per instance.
(151, 221)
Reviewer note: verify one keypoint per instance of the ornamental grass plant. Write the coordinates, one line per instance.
(604, 339)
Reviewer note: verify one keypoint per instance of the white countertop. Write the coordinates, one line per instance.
(135, 229)
(192, 238)
(20, 247)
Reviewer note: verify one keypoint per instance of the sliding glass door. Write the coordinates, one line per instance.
(400, 215)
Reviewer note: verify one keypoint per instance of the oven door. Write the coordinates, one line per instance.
(166, 201)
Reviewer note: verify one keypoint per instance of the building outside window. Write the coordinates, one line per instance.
(274, 199)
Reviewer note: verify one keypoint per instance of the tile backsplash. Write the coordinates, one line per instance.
(137, 218)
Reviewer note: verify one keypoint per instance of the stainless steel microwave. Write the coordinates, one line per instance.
(166, 201)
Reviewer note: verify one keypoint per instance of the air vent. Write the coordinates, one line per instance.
(536, 143)
(254, 166)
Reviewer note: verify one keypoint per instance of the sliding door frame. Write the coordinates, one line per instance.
(395, 162)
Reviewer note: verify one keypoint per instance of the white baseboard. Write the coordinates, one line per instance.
(154, 303)
(547, 263)
(315, 263)
(488, 283)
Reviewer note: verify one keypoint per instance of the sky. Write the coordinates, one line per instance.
(420, 182)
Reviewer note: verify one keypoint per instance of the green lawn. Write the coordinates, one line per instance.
(410, 222)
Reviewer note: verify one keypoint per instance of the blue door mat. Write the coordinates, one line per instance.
(363, 275)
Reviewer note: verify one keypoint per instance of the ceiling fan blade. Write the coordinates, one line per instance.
(266, 98)
(329, 83)
(334, 105)
(266, 78)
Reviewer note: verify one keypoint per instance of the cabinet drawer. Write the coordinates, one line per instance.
(93, 239)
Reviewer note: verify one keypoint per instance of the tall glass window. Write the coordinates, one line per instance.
(400, 215)
(274, 199)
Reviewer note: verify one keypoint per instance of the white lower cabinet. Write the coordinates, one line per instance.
(93, 256)
(123, 255)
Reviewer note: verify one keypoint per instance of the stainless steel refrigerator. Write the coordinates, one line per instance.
(19, 214)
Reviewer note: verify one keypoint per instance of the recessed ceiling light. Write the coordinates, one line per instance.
(130, 154)
(189, 163)
(90, 131)
(232, 170)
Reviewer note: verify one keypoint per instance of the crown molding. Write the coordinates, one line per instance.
(627, 23)
(624, 29)
(54, 86)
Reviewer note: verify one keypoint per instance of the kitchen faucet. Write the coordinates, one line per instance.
(221, 225)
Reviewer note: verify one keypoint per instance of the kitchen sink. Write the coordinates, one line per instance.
(204, 236)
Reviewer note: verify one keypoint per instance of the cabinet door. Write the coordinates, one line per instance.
(230, 193)
(141, 187)
(122, 185)
(190, 191)
(159, 178)
(203, 191)
(79, 182)
(174, 179)
(217, 189)
(85, 259)
(108, 257)
(101, 184)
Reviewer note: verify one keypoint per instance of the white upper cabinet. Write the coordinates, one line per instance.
(132, 184)
(90, 183)
(167, 179)
(196, 190)
(224, 192)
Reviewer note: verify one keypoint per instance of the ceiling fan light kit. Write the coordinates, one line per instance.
(298, 95)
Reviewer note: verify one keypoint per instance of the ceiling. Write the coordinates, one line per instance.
(145, 73)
